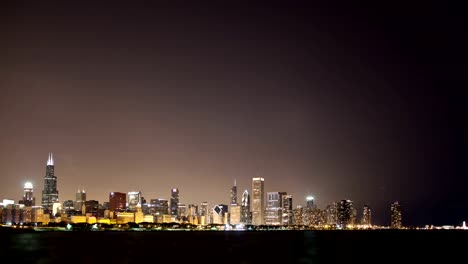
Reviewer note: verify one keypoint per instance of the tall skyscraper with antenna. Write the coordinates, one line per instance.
(234, 193)
(50, 192)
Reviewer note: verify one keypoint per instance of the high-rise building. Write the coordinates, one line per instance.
(332, 214)
(274, 211)
(234, 193)
(68, 205)
(50, 192)
(310, 202)
(174, 201)
(258, 201)
(287, 209)
(80, 200)
(298, 213)
(192, 210)
(91, 207)
(28, 197)
(204, 213)
(159, 207)
(395, 209)
(182, 211)
(219, 212)
(366, 216)
(245, 208)
(235, 214)
(117, 201)
(344, 213)
(133, 201)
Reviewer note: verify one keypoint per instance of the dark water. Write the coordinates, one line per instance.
(383, 246)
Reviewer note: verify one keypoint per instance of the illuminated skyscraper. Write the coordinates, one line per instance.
(287, 210)
(234, 214)
(117, 201)
(395, 209)
(332, 214)
(219, 212)
(344, 212)
(192, 210)
(159, 206)
(80, 200)
(274, 211)
(234, 193)
(310, 202)
(133, 200)
(182, 211)
(204, 213)
(258, 201)
(28, 197)
(245, 208)
(174, 201)
(366, 216)
(50, 192)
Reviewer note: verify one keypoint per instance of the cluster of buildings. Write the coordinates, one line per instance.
(254, 208)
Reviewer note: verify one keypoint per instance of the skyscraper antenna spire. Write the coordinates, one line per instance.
(50, 161)
(235, 184)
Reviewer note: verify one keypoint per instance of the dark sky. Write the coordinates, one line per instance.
(337, 101)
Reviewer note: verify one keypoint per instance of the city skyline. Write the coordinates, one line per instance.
(260, 215)
(335, 101)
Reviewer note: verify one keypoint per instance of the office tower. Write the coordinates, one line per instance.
(182, 211)
(50, 192)
(332, 214)
(344, 212)
(159, 207)
(234, 193)
(117, 201)
(68, 205)
(310, 200)
(133, 201)
(204, 213)
(192, 210)
(286, 207)
(245, 208)
(91, 207)
(174, 201)
(28, 196)
(80, 200)
(366, 216)
(273, 210)
(396, 215)
(258, 203)
(298, 215)
(234, 214)
(219, 212)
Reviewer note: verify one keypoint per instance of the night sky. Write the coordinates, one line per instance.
(338, 101)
